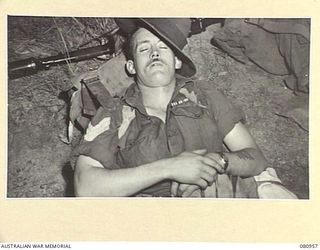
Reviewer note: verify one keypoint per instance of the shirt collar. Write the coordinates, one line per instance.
(184, 100)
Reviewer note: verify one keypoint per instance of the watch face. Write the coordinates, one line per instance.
(224, 164)
(224, 161)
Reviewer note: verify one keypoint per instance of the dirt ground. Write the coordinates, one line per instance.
(39, 160)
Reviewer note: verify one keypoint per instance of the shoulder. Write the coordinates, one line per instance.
(218, 103)
(205, 92)
(207, 87)
(209, 91)
(109, 121)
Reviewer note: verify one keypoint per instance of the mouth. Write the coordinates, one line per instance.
(155, 63)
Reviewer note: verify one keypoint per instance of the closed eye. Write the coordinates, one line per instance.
(143, 46)
(162, 45)
(143, 49)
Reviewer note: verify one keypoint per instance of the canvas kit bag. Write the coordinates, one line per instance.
(109, 80)
(279, 46)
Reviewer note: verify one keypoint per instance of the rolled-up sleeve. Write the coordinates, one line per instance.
(100, 141)
(224, 112)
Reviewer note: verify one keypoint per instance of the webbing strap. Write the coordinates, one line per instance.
(97, 92)
(88, 106)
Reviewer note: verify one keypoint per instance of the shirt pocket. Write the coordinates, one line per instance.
(144, 149)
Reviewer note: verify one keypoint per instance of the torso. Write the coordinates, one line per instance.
(160, 113)
(151, 134)
(162, 133)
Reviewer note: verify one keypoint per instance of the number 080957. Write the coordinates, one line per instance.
(308, 245)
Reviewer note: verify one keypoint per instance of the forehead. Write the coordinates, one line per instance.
(142, 35)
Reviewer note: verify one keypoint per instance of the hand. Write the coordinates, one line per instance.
(193, 168)
(183, 190)
(217, 158)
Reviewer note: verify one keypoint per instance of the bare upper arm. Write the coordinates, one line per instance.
(239, 138)
(83, 166)
(85, 162)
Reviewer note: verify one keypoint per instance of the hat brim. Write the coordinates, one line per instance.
(129, 25)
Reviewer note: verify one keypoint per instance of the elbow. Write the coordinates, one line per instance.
(258, 163)
(80, 189)
(78, 192)
(82, 182)
(85, 184)
(261, 166)
(259, 170)
(84, 177)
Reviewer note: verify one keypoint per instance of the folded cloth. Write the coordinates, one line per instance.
(269, 186)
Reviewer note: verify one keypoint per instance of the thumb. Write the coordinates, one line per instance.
(200, 151)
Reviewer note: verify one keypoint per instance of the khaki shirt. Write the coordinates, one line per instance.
(123, 135)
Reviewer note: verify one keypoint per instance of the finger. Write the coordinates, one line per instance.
(209, 165)
(190, 190)
(202, 184)
(174, 188)
(208, 178)
(182, 188)
(208, 160)
(218, 164)
(212, 173)
(212, 163)
(200, 151)
(210, 170)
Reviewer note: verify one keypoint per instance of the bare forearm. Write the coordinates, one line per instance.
(246, 162)
(92, 179)
(97, 181)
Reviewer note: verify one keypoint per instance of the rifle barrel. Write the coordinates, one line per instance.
(78, 55)
(33, 65)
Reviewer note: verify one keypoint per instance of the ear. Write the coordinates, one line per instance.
(130, 67)
(177, 63)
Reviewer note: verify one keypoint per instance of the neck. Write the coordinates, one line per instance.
(158, 97)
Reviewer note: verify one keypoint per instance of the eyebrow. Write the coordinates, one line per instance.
(142, 42)
(145, 41)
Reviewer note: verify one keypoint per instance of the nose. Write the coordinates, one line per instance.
(155, 53)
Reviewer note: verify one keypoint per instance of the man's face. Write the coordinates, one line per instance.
(154, 63)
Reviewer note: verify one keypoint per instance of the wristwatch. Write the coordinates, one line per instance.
(225, 161)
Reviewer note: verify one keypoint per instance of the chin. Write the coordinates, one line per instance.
(158, 83)
(159, 80)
